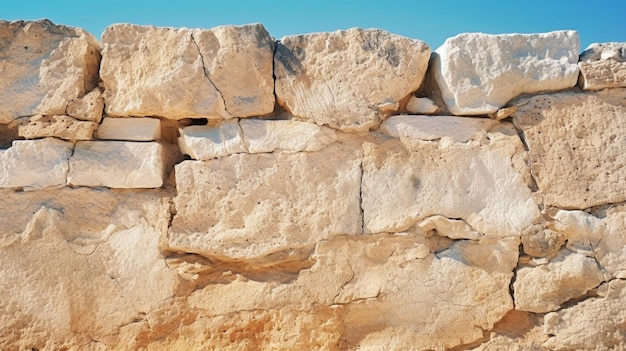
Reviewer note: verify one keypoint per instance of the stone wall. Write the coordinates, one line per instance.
(188, 189)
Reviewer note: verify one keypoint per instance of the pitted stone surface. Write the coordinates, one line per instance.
(603, 65)
(62, 127)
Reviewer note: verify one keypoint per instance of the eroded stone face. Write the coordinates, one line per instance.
(44, 67)
(479, 73)
(59, 126)
(603, 65)
(348, 79)
(576, 146)
(219, 73)
(458, 129)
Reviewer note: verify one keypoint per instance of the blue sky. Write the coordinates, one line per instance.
(431, 21)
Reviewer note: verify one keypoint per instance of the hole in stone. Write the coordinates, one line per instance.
(8, 133)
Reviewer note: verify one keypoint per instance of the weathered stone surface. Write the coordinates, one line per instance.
(611, 249)
(181, 73)
(475, 181)
(44, 67)
(546, 287)
(59, 126)
(35, 164)
(421, 106)
(348, 79)
(576, 146)
(77, 265)
(603, 65)
(479, 73)
(116, 164)
(250, 206)
(88, 108)
(269, 136)
(593, 324)
(459, 129)
(582, 230)
(130, 129)
(212, 140)
(451, 228)
(539, 241)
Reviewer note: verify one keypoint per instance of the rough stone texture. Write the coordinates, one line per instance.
(212, 140)
(582, 230)
(347, 79)
(35, 164)
(479, 73)
(89, 107)
(116, 164)
(546, 287)
(223, 72)
(576, 146)
(249, 206)
(421, 106)
(459, 129)
(77, 265)
(269, 136)
(402, 184)
(611, 249)
(63, 127)
(603, 65)
(44, 67)
(130, 129)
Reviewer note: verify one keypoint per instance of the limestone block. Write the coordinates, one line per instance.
(545, 288)
(421, 106)
(603, 65)
(348, 79)
(582, 230)
(247, 206)
(539, 241)
(475, 182)
(59, 126)
(576, 146)
(479, 73)
(594, 324)
(35, 164)
(611, 250)
(116, 164)
(130, 129)
(88, 108)
(212, 140)
(452, 228)
(269, 136)
(459, 129)
(78, 264)
(181, 73)
(44, 67)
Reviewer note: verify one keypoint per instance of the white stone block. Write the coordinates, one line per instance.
(211, 141)
(268, 136)
(459, 129)
(421, 106)
(130, 129)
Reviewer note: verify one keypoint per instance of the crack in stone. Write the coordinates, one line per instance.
(208, 77)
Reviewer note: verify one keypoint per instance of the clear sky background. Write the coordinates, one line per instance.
(431, 21)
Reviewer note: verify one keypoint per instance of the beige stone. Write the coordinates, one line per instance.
(58, 126)
(479, 73)
(269, 136)
(421, 106)
(44, 67)
(35, 164)
(594, 324)
(117, 164)
(545, 288)
(459, 129)
(611, 249)
(130, 129)
(582, 230)
(603, 65)
(250, 206)
(88, 108)
(539, 241)
(475, 182)
(219, 73)
(452, 228)
(576, 146)
(212, 140)
(348, 79)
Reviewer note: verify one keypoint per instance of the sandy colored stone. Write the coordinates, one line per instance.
(130, 129)
(451, 228)
(421, 106)
(44, 67)
(348, 79)
(217, 73)
(479, 73)
(117, 164)
(58, 126)
(77, 265)
(545, 288)
(88, 108)
(475, 182)
(250, 206)
(459, 129)
(582, 230)
(269, 136)
(611, 249)
(35, 164)
(212, 140)
(594, 324)
(576, 146)
(539, 241)
(603, 65)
